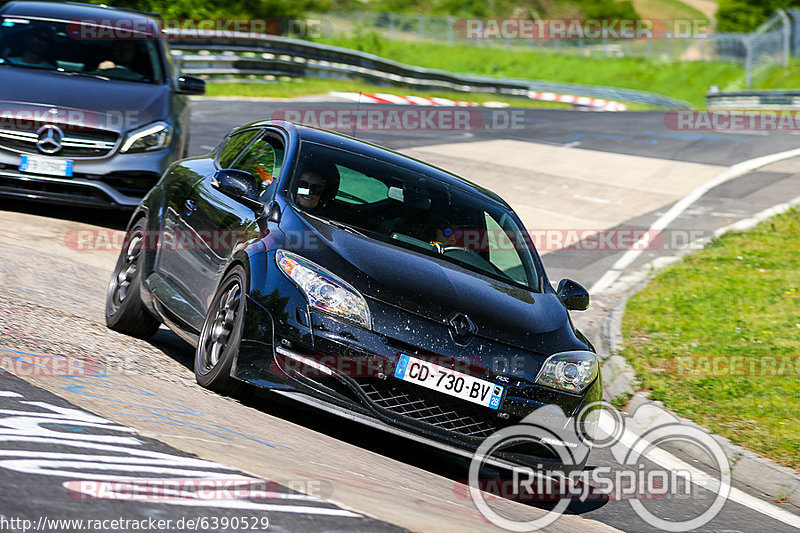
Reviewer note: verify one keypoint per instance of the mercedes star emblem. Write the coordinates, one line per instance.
(49, 138)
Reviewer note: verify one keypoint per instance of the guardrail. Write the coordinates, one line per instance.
(767, 99)
(235, 55)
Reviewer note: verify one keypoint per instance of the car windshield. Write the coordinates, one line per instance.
(407, 209)
(77, 48)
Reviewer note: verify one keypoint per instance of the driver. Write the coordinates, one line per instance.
(37, 45)
(122, 56)
(316, 187)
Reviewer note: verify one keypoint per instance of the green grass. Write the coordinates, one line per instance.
(740, 297)
(686, 80)
(667, 9)
(310, 86)
(781, 77)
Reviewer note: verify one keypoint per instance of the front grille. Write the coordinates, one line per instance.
(131, 183)
(73, 192)
(430, 407)
(76, 143)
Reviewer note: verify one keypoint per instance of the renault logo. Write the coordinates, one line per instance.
(49, 139)
(461, 327)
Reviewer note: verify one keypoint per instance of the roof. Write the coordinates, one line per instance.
(345, 142)
(72, 11)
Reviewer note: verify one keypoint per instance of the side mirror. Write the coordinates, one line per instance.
(574, 296)
(191, 85)
(239, 185)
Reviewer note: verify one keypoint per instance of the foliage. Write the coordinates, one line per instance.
(684, 80)
(746, 15)
(496, 8)
(198, 9)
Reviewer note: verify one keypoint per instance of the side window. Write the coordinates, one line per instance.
(233, 146)
(356, 188)
(263, 159)
(502, 253)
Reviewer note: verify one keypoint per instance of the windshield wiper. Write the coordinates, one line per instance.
(83, 74)
(338, 224)
(344, 226)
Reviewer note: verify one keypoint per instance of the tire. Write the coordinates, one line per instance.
(219, 339)
(125, 311)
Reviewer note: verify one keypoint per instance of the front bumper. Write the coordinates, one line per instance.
(352, 369)
(120, 180)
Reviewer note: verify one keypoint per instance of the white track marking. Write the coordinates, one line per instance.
(608, 279)
(668, 461)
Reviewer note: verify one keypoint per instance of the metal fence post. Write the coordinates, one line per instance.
(787, 36)
(451, 34)
(748, 60)
(795, 16)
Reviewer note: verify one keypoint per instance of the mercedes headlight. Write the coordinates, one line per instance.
(325, 291)
(150, 137)
(569, 371)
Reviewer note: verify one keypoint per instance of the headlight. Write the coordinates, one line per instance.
(324, 290)
(568, 371)
(150, 137)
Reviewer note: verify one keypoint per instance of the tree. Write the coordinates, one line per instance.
(200, 9)
(746, 15)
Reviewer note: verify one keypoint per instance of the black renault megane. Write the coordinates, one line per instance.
(358, 280)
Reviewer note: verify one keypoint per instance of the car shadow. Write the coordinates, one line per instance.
(411, 452)
(106, 218)
(174, 347)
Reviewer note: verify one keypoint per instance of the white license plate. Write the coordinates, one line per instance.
(46, 165)
(449, 381)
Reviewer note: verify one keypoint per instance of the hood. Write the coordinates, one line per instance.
(436, 289)
(106, 104)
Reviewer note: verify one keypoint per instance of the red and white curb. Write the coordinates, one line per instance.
(385, 98)
(599, 103)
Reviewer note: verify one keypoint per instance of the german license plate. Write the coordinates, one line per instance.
(448, 381)
(45, 165)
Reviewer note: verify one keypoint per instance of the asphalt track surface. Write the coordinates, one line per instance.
(642, 134)
(53, 435)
